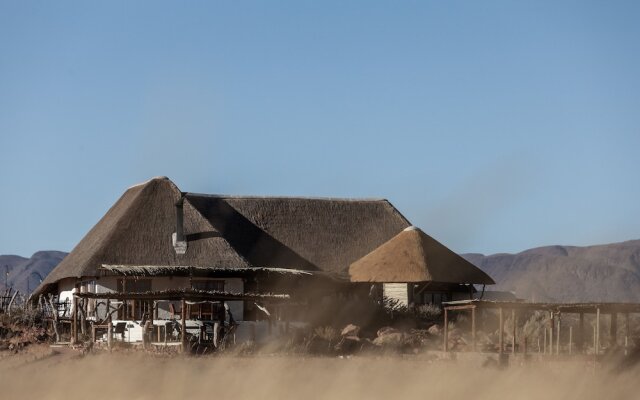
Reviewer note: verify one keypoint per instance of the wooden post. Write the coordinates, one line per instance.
(513, 333)
(473, 327)
(580, 338)
(626, 333)
(183, 314)
(445, 330)
(501, 332)
(597, 349)
(558, 323)
(83, 316)
(570, 338)
(613, 329)
(595, 339)
(545, 340)
(109, 334)
(552, 325)
(74, 321)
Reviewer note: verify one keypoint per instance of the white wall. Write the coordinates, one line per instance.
(396, 291)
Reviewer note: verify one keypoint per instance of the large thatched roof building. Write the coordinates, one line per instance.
(230, 232)
(157, 239)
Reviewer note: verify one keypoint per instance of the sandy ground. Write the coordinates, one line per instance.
(61, 373)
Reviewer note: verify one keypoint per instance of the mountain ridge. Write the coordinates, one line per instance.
(603, 272)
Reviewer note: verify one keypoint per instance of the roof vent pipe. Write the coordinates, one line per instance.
(178, 238)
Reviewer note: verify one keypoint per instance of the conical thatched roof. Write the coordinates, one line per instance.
(231, 232)
(414, 256)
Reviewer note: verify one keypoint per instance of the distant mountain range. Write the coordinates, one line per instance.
(608, 272)
(25, 274)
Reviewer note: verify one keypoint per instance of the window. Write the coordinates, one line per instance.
(210, 285)
(206, 311)
(134, 309)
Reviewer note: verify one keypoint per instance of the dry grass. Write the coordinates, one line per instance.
(139, 376)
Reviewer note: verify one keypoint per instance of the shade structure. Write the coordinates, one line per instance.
(414, 256)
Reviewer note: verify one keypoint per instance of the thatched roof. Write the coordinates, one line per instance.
(183, 270)
(184, 294)
(414, 256)
(231, 232)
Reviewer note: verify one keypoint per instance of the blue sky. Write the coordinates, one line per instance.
(495, 126)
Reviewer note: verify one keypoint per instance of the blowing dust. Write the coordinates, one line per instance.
(117, 376)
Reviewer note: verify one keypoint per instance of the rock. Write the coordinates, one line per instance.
(389, 337)
(435, 330)
(387, 330)
(350, 331)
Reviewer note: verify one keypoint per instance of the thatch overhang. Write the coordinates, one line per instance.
(183, 270)
(413, 256)
(227, 232)
(185, 294)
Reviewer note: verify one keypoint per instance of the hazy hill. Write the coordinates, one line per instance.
(25, 274)
(608, 272)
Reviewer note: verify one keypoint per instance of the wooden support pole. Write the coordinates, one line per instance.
(83, 316)
(613, 329)
(109, 326)
(580, 338)
(513, 331)
(597, 349)
(501, 332)
(445, 331)
(74, 321)
(552, 325)
(183, 313)
(570, 339)
(595, 339)
(558, 323)
(626, 333)
(545, 340)
(473, 328)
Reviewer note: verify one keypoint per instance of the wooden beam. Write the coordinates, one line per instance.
(460, 308)
(581, 335)
(74, 321)
(570, 339)
(595, 340)
(445, 331)
(552, 325)
(513, 333)
(501, 331)
(183, 313)
(613, 330)
(597, 346)
(558, 323)
(473, 328)
(626, 333)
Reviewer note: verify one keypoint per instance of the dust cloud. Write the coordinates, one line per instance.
(138, 376)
